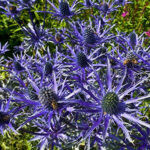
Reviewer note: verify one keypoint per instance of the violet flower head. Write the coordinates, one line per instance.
(111, 102)
(36, 37)
(64, 10)
(88, 36)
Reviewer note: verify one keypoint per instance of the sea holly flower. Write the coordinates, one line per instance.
(17, 64)
(44, 66)
(36, 37)
(78, 61)
(52, 96)
(113, 100)
(53, 136)
(133, 39)
(3, 48)
(106, 7)
(64, 10)
(89, 36)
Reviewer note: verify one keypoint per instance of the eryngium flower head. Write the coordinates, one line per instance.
(48, 98)
(113, 100)
(105, 7)
(48, 68)
(82, 60)
(64, 8)
(110, 103)
(89, 36)
(133, 39)
(36, 37)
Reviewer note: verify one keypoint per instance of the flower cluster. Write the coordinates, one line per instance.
(80, 82)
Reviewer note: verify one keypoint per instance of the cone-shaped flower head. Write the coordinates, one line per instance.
(133, 39)
(48, 98)
(82, 60)
(105, 7)
(64, 8)
(89, 36)
(48, 68)
(110, 103)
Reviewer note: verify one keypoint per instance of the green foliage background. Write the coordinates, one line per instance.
(138, 19)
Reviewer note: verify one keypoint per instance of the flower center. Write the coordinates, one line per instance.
(48, 68)
(4, 118)
(89, 36)
(82, 60)
(105, 8)
(64, 8)
(110, 103)
(18, 66)
(48, 98)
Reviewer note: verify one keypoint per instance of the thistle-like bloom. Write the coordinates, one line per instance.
(64, 10)
(78, 60)
(53, 136)
(107, 7)
(113, 101)
(17, 64)
(36, 37)
(50, 96)
(3, 48)
(89, 36)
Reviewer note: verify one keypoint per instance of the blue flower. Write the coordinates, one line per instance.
(64, 10)
(36, 37)
(88, 36)
(112, 101)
